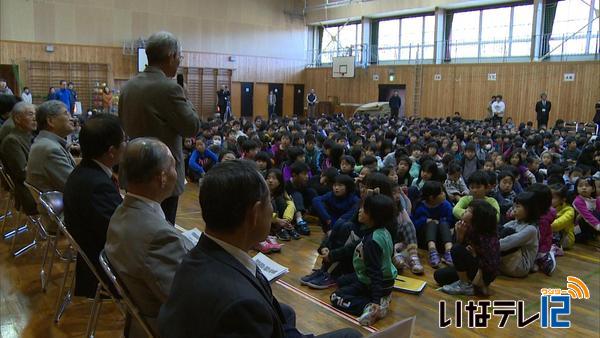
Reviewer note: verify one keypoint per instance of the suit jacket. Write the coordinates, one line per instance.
(50, 163)
(152, 105)
(90, 199)
(145, 250)
(14, 152)
(541, 115)
(6, 128)
(214, 295)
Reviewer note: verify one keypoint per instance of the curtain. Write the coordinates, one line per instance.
(548, 23)
(374, 47)
(448, 36)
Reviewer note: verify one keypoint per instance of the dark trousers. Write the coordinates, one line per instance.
(271, 111)
(352, 296)
(169, 207)
(395, 111)
(303, 198)
(496, 120)
(291, 332)
(436, 232)
(542, 122)
(338, 238)
(463, 262)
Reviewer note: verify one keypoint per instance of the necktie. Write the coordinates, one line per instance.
(115, 181)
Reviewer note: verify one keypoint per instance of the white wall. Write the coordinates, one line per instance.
(242, 27)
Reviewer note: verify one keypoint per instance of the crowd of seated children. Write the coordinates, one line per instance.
(434, 171)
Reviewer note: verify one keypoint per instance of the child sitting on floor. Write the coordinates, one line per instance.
(505, 194)
(406, 244)
(368, 292)
(433, 219)
(283, 207)
(478, 187)
(455, 185)
(476, 254)
(564, 223)
(545, 259)
(519, 239)
(340, 200)
(587, 205)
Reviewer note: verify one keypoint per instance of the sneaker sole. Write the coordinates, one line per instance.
(284, 239)
(319, 287)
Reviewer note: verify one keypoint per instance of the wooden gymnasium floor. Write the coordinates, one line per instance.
(27, 312)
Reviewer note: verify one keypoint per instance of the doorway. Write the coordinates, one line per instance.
(247, 99)
(7, 72)
(277, 89)
(386, 91)
(299, 100)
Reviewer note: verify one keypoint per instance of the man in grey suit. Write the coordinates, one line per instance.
(50, 162)
(143, 248)
(14, 151)
(152, 104)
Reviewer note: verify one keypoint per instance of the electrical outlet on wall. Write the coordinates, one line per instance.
(569, 77)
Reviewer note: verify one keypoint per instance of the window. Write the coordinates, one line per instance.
(571, 16)
(495, 31)
(465, 34)
(521, 31)
(406, 38)
(341, 40)
(488, 32)
(388, 40)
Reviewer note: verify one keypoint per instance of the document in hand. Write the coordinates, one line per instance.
(269, 268)
(401, 329)
(409, 285)
(193, 235)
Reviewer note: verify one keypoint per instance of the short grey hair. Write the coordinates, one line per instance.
(145, 158)
(160, 46)
(48, 109)
(20, 108)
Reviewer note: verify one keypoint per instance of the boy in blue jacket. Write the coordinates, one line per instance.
(201, 160)
(433, 219)
(335, 203)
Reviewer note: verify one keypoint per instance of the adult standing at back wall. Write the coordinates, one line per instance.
(542, 111)
(152, 104)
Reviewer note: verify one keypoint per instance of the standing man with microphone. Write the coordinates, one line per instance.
(152, 104)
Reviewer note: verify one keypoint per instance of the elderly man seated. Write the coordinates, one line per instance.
(142, 246)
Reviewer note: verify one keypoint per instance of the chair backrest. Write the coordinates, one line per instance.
(49, 201)
(131, 307)
(35, 192)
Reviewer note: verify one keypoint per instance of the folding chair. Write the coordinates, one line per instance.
(52, 238)
(51, 201)
(30, 219)
(132, 309)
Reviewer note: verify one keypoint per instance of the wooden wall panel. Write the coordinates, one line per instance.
(288, 100)
(236, 98)
(465, 88)
(261, 90)
(244, 69)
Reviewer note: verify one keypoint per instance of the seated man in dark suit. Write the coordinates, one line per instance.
(91, 194)
(142, 246)
(14, 152)
(218, 290)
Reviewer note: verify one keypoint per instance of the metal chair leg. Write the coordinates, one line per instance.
(7, 212)
(53, 243)
(43, 275)
(91, 327)
(14, 237)
(62, 301)
(27, 247)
